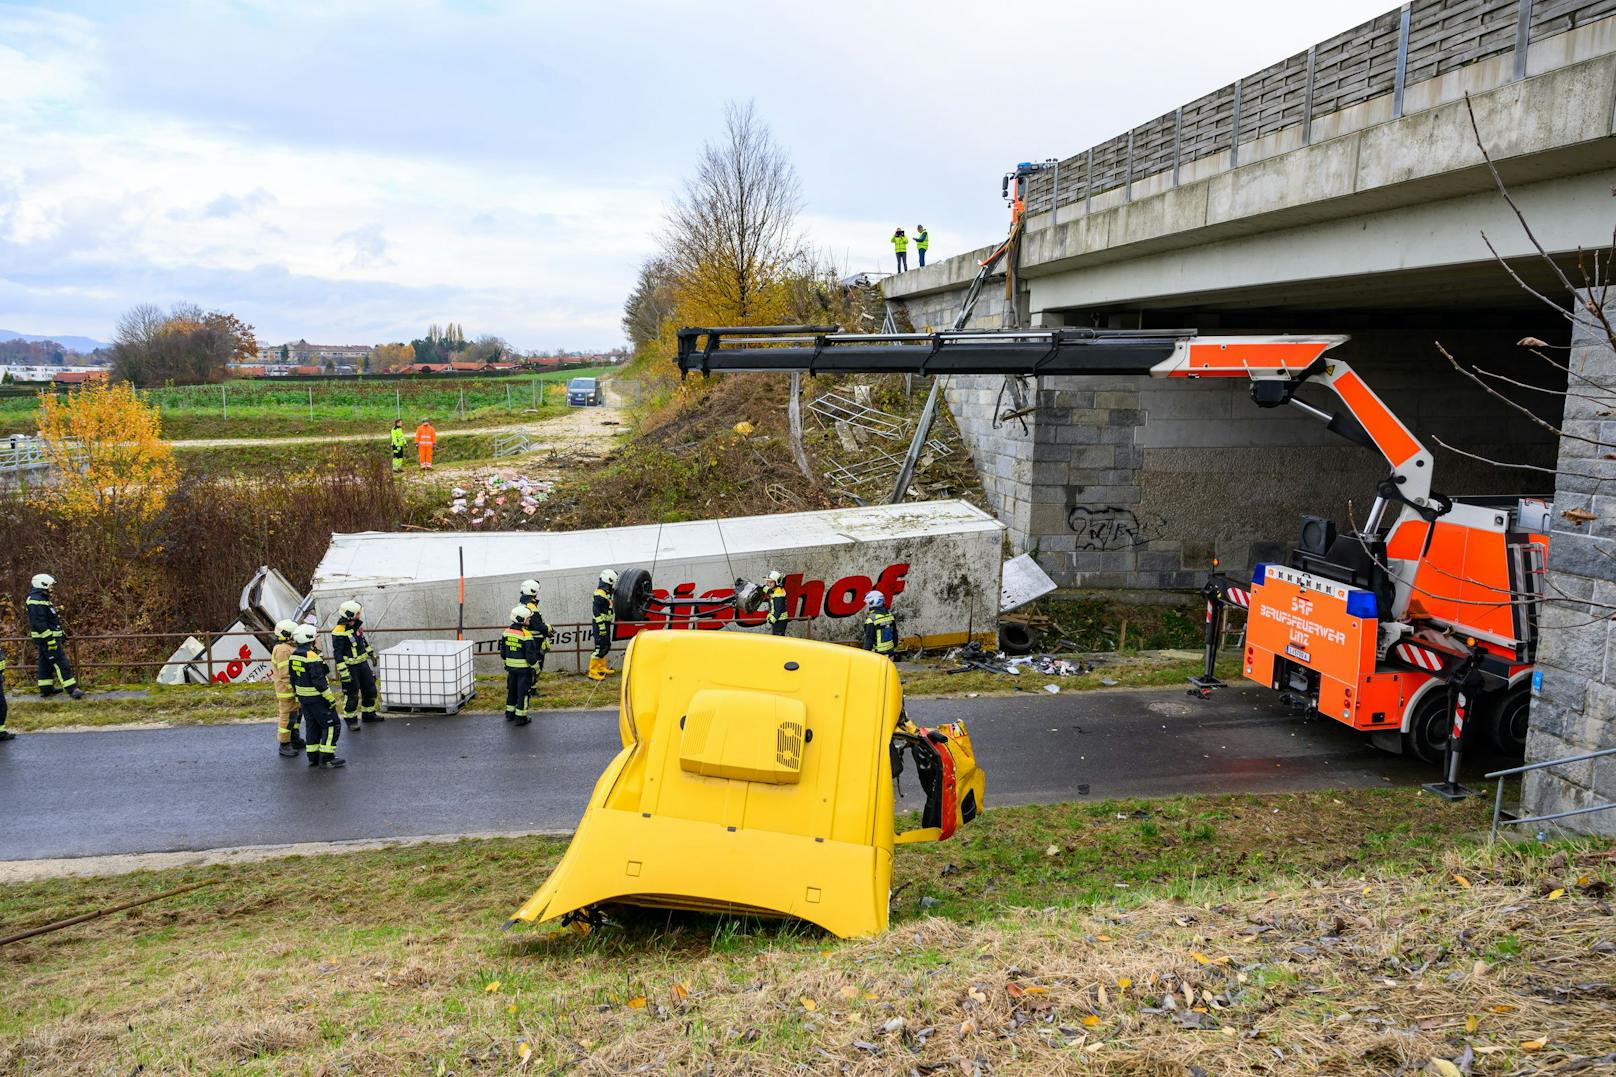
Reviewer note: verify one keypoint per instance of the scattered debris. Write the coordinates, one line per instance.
(500, 495)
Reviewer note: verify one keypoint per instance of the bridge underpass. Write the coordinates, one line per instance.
(1340, 190)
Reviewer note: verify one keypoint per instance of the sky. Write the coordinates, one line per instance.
(348, 171)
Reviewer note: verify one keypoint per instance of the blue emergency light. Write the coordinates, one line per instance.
(1362, 604)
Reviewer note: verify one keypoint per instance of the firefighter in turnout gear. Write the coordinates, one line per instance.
(880, 627)
(5, 735)
(543, 634)
(311, 686)
(605, 621)
(777, 621)
(521, 653)
(286, 718)
(45, 628)
(353, 654)
(400, 439)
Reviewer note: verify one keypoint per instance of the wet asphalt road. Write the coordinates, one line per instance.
(193, 788)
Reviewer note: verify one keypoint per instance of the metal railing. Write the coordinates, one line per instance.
(1498, 799)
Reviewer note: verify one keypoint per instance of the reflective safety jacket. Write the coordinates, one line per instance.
(310, 678)
(922, 240)
(603, 615)
(542, 632)
(777, 605)
(43, 623)
(279, 671)
(518, 648)
(349, 646)
(399, 438)
(880, 632)
(900, 244)
(426, 435)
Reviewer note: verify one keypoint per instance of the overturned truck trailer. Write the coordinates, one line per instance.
(939, 562)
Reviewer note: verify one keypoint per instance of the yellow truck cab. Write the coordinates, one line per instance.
(756, 778)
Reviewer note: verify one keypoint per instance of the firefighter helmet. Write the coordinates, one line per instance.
(44, 581)
(350, 608)
(774, 576)
(875, 600)
(609, 577)
(285, 628)
(304, 634)
(530, 588)
(520, 615)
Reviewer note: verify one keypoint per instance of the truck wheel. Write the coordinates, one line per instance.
(1427, 736)
(1016, 638)
(1507, 729)
(631, 598)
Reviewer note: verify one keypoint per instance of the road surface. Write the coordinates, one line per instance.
(212, 787)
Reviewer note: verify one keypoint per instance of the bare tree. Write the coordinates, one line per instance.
(733, 228)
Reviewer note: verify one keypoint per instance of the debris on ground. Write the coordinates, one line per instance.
(499, 495)
(972, 656)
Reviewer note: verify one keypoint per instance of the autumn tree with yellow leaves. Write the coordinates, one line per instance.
(106, 448)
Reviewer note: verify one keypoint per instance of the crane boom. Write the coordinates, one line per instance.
(1275, 367)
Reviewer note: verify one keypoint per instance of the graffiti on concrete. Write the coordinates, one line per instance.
(1107, 527)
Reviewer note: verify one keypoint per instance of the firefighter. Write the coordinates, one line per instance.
(312, 687)
(400, 438)
(426, 439)
(45, 628)
(353, 653)
(543, 634)
(605, 621)
(778, 621)
(286, 719)
(880, 627)
(4, 734)
(520, 651)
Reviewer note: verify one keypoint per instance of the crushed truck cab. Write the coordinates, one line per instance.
(756, 778)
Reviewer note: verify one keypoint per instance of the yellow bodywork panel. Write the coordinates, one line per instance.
(749, 736)
(754, 778)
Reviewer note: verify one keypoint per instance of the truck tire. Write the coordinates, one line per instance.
(1427, 736)
(1016, 638)
(1506, 727)
(631, 598)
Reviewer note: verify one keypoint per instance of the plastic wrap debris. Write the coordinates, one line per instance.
(501, 499)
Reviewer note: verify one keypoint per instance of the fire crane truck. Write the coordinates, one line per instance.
(1401, 626)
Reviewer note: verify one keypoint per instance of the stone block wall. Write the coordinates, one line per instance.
(1574, 697)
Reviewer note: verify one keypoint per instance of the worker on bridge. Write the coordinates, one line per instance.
(880, 627)
(354, 655)
(605, 624)
(776, 592)
(426, 439)
(287, 740)
(311, 684)
(900, 247)
(399, 438)
(45, 629)
(922, 242)
(520, 652)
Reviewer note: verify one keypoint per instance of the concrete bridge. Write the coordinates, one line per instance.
(1338, 190)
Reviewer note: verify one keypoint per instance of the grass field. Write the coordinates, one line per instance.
(271, 408)
(196, 704)
(1361, 932)
(454, 447)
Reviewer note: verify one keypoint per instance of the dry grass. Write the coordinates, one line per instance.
(1310, 933)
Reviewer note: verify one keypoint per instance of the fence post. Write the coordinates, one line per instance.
(462, 403)
(507, 396)
(398, 404)
(1307, 98)
(1178, 135)
(1127, 172)
(224, 402)
(1523, 35)
(311, 403)
(1402, 62)
(536, 394)
(1234, 132)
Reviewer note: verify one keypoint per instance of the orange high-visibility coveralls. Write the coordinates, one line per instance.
(425, 439)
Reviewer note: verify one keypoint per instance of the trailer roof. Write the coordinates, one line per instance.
(385, 557)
